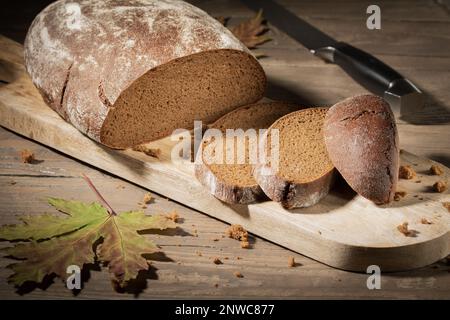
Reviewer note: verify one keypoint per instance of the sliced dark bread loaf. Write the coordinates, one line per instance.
(128, 72)
(234, 183)
(362, 141)
(305, 172)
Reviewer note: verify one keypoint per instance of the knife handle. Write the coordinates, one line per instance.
(367, 70)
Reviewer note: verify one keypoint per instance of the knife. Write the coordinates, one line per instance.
(373, 74)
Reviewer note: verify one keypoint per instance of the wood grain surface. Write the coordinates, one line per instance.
(294, 74)
(344, 230)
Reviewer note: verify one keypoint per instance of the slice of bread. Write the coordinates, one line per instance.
(305, 172)
(362, 141)
(234, 183)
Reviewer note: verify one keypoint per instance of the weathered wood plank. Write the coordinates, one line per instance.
(181, 273)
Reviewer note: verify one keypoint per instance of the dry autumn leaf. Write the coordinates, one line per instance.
(250, 32)
(57, 242)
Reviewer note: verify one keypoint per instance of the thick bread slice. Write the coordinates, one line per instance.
(305, 172)
(362, 141)
(234, 183)
(128, 72)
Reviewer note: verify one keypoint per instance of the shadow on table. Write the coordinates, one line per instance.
(434, 113)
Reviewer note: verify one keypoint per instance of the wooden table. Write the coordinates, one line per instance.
(413, 39)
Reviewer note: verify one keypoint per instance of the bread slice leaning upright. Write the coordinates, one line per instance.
(299, 172)
(234, 182)
(362, 140)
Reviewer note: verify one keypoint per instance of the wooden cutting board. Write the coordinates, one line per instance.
(344, 230)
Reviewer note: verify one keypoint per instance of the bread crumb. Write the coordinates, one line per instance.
(13, 182)
(216, 285)
(152, 152)
(215, 239)
(173, 216)
(440, 186)
(237, 274)
(238, 258)
(436, 170)
(226, 258)
(406, 172)
(418, 181)
(120, 186)
(147, 198)
(27, 156)
(446, 205)
(403, 228)
(291, 262)
(236, 231)
(198, 253)
(425, 221)
(217, 261)
(399, 194)
(245, 245)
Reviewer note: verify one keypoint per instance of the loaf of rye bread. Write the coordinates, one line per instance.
(362, 141)
(233, 182)
(129, 72)
(304, 173)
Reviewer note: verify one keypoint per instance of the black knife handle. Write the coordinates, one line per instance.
(373, 74)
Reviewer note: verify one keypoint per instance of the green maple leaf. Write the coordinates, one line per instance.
(58, 242)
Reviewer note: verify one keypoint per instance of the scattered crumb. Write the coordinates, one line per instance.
(406, 172)
(174, 216)
(215, 239)
(152, 152)
(319, 232)
(120, 186)
(436, 170)
(216, 285)
(403, 228)
(446, 205)
(143, 206)
(226, 258)
(236, 231)
(420, 198)
(13, 182)
(217, 261)
(237, 274)
(238, 258)
(198, 253)
(440, 186)
(425, 221)
(418, 181)
(178, 262)
(416, 196)
(27, 156)
(399, 194)
(291, 262)
(147, 198)
(245, 245)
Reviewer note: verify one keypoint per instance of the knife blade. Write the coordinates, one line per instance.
(370, 72)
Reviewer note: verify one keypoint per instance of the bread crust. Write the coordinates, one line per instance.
(288, 193)
(81, 55)
(225, 192)
(362, 140)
